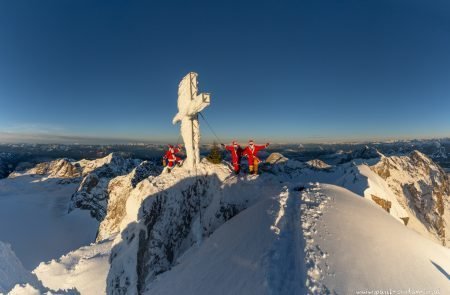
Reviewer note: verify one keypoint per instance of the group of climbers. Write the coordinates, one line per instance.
(171, 159)
(251, 152)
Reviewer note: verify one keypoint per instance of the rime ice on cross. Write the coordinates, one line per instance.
(190, 103)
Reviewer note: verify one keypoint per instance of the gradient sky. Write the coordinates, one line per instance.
(296, 71)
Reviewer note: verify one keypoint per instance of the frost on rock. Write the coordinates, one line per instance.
(190, 103)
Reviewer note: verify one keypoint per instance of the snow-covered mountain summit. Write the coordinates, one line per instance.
(370, 222)
(176, 222)
(60, 168)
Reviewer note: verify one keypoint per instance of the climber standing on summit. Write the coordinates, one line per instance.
(170, 157)
(236, 155)
(251, 152)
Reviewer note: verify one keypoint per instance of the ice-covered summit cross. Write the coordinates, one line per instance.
(190, 103)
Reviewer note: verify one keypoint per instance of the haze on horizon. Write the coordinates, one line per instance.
(297, 71)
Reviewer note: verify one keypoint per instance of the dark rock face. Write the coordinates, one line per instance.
(4, 171)
(144, 170)
(7, 161)
(365, 152)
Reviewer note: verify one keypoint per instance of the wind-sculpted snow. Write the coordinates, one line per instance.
(84, 269)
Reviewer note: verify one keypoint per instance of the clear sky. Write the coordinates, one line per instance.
(296, 71)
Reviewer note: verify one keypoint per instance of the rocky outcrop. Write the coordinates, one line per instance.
(365, 152)
(421, 187)
(119, 189)
(276, 158)
(318, 164)
(61, 168)
(168, 214)
(92, 194)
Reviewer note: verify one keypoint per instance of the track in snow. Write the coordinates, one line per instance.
(286, 273)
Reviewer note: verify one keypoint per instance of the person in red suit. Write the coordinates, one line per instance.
(170, 157)
(251, 152)
(236, 155)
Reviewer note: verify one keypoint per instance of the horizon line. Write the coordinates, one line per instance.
(20, 138)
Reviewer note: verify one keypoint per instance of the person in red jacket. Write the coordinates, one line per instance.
(170, 158)
(236, 155)
(251, 152)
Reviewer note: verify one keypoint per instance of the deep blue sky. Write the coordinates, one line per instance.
(277, 70)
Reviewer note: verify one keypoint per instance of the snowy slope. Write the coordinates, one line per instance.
(33, 211)
(369, 250)
(244, 256)
(84, 269)
(339, 235)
